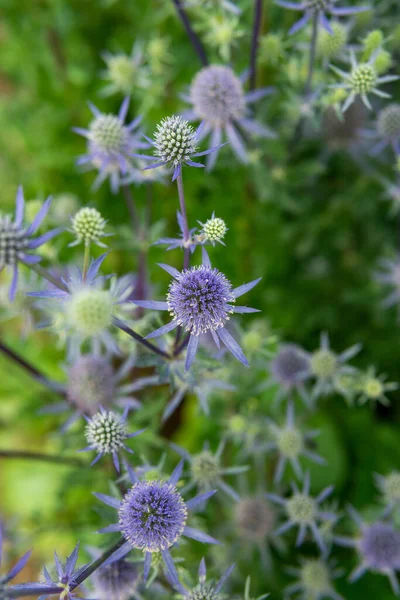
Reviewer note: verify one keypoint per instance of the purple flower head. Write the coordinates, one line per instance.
(87, 309)
(379, 547)
(320, 7)
(17, 241)
(67, 580)
(117, 581)
(362, 80)
(152, 518)
(14, 571)
(255, 519)
(175, 143)
(106, 434)
(291, 444)
(303, 511)
(219, 101)
(290, 369)
(110, 145)
(200, 301)
(204, 590)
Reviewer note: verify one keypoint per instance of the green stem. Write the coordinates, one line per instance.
(86, 259)
(26, 455)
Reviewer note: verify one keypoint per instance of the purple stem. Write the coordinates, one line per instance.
(196, 43)
(313, 47)
(254, 42)
(141, 339)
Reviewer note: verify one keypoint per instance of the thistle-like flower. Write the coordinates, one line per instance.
(106, 434)
(388, 129)
(88, 226)
(290, 368)
(331, 43)
(152, 518)
(14, 571)
(125, 72)
(175, 143)
(219, 101)
(206, 471)
(255, 519)
(378, 545)
(303, 511)
(389, 486)
(314, 580)
(327, 366)
(65, 585)
(117, 581)
(88, 310)
(204, 590)
(373, 387)
(320, 8)
(110, 145)
(290, 443)
(17, 241)
(214, 230)
(389, 276)
(200, 301)
(362, 80)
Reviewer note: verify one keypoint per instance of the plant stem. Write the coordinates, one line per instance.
(254, 42)
(33, 372)
(46, 275)
(186, 234)
(140, 339)
(313, 48)
(92, 567)
(27, 455)
(196, 43)
(86, 258)
(181, 346)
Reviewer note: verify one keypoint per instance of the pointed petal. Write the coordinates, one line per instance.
(19, 208)
(19, 565)
(232, 345)
(39, 217)
(123, 111)
(176, 474)
(243, 289)
(174, 403)
(162, 330)
(170, 567)
(171, 270)
(244, 310)
(205, 258)
(199, 536)
(152, 304)
(199, 499)
(223, 579)
(191, 350)
(237, 143)
(114, 528)
(118, 554)
(109, 500)
(300, 23)
(147, 565)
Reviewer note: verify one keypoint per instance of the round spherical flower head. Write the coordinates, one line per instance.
(122, 71)
(198, 300)
(391, 487)
(152, 516)
(214, 230)
(301, 508)
(13, 241)
(389, 122)
(90, 310)
(363, 78)
(108, 133)
(106, 432)
(205, 468)
(254, 518)
(330, 44)
(324, 363)
(315, 577)
(88, 225)
(203, 592)
(290, 442)
(373, 388)
(175, 141)
(290, 366)
(217, 95)
(380, 546)
(90, 383)
(322, 5)
(117, 580)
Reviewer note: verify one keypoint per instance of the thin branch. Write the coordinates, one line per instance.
(92, 567)
(141, 339)
(43, 273)
(38, 456)
(33, 371)
(313, 48)
(181, 346)
(196, 43)
(254, 42)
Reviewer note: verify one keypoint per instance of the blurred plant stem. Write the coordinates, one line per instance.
(313, 49)
(38, 456)
(196, 43)
(186, 255)
(33, 371)
(141, 339)
(258, 7)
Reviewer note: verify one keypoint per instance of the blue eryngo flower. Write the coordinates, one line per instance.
(125, 73)
(320, 8)
(389, 486)
(175, 144)
(200, 301)
(291, 444)
(17, 241)
(303, 511)
(14, 571)
(204, 590)
(67, 580)
(106, 434)
(110, 145)
(388, 129)
(206, 471)
(255, 519)
(180, 241)
(290, 369)
(373, 387)
(219, 101)
(88, 227)
(314, 580)
(378, 545)
(152, 518)
(88, 311)
(327, 366)
(362, 80)
(117, 581)
(213, 230)
(389, 276)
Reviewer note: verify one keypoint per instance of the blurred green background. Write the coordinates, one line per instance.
(311, 222)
